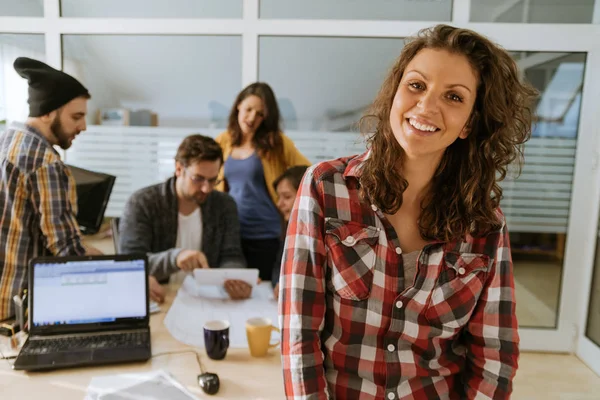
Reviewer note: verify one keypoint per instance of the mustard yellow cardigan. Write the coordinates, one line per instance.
(273, 169)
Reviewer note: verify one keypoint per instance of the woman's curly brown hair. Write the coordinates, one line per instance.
(464, 193)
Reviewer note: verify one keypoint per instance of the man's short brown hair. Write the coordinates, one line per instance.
(196, 148)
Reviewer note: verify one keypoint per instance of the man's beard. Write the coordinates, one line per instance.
(200, 200)
(196, 199)
(64, 140)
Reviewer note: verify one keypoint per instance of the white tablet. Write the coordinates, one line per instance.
(218, 276)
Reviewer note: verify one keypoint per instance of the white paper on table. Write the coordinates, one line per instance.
(6, 350)
(152, 385)
(218, 276)
(194, 305)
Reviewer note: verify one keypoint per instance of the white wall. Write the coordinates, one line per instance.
(196, 78)
(21, 8)
(152, 8)
(405, 10)
(539, 11)
(187, 80)
(93, 75)
(316, 78)
(13, 88)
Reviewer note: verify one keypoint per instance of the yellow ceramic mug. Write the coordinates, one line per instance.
(258, 332)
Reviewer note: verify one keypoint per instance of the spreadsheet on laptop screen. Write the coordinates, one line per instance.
(90, 291)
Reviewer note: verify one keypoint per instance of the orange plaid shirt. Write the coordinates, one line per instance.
(38, 208)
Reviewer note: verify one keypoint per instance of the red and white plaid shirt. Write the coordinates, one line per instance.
(352, 329)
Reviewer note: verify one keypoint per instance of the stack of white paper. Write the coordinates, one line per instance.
(155, 385)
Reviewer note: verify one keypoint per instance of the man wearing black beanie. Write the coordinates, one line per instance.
(38, 201)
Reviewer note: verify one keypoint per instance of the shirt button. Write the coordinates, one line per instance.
(391, 396)
(374, 207)
(391, 347)
(349, 241)
(398, 250)
(461, 271)
(399, 304)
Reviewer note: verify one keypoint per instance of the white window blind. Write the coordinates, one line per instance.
(142, 156)
(538, 201)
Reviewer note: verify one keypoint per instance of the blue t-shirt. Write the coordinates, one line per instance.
(259, 218)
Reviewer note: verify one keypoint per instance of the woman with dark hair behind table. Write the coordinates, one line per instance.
(286, 187)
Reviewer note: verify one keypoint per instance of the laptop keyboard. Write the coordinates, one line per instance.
(73, 343)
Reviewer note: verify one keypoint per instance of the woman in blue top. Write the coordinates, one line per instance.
(256, 153)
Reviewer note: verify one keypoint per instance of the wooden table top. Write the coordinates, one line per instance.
(241, 376)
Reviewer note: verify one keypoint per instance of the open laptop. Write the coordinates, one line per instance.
(93, 192)
(86, 310)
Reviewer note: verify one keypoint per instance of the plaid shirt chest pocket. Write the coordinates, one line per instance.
(351, 255)
(457, 290)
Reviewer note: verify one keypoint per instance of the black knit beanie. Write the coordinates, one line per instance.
(49, 89)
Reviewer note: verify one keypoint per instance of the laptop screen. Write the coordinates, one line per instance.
(90, 291)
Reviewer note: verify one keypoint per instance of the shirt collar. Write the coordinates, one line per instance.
(355, 164)
(18, 126)
(354, 169)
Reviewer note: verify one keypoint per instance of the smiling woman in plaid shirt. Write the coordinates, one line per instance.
(397, 276)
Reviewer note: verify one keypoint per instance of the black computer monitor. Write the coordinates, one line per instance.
(93, 192)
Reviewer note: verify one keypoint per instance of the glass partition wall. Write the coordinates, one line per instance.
(183, 64)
